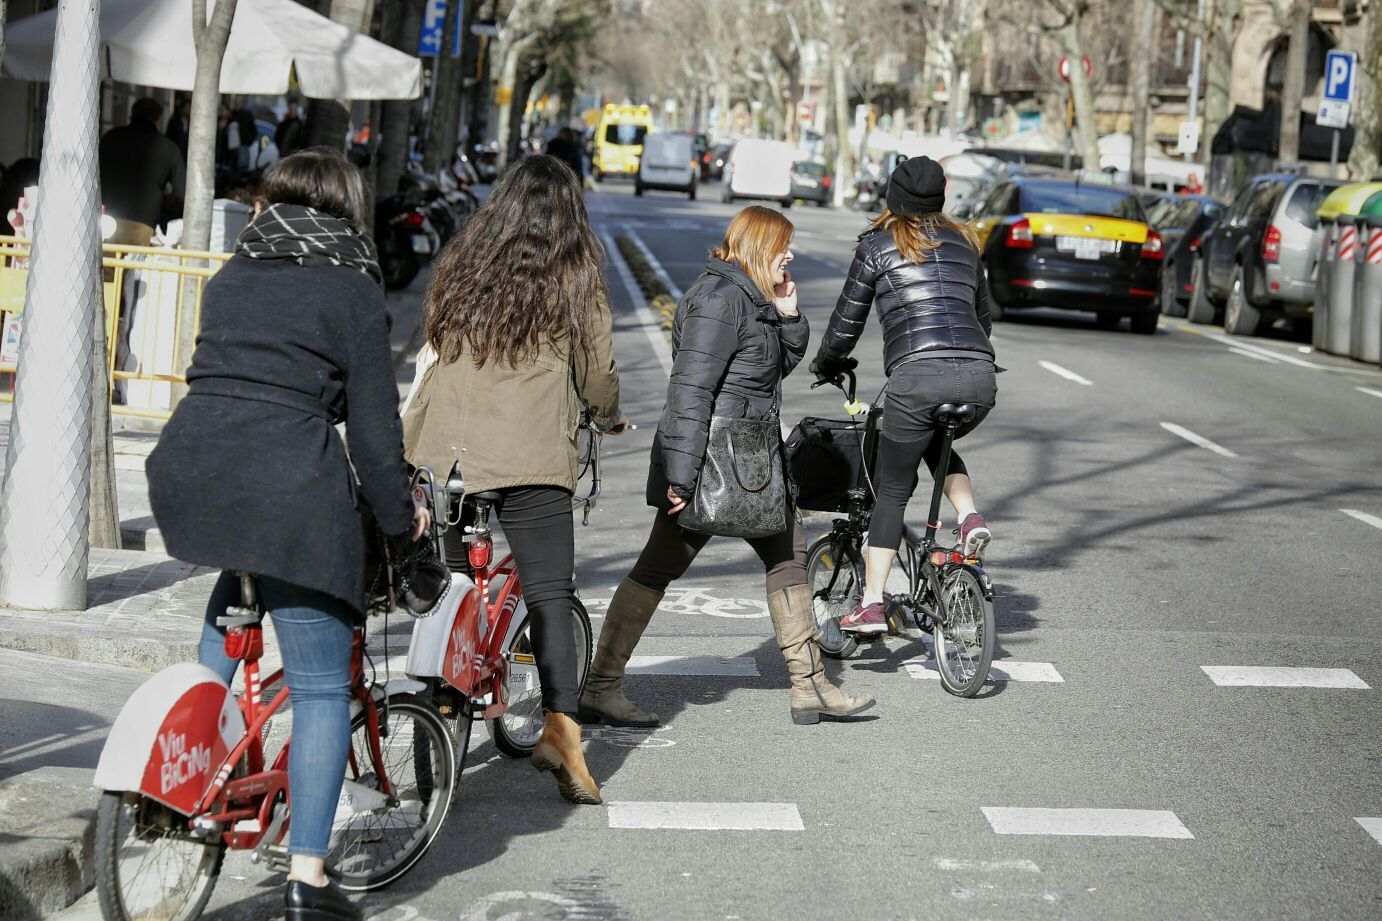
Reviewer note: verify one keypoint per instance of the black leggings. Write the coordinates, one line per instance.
(536, 521)
(910, 433)
(671, 549)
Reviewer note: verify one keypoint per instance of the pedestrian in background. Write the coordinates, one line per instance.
(288, 137)
(737, 334)
(518, 316)
(250, 476)
(139, 166)
(566, 148)
(179, 123)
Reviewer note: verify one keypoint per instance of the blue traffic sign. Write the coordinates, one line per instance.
(433, 25)
(1339, 68)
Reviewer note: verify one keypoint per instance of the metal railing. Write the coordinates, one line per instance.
(146, 288)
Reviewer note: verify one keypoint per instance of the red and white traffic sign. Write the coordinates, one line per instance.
(1064, 69)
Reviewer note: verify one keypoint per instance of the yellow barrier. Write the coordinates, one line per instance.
(148, 280)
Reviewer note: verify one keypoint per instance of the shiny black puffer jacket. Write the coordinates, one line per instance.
(940, 305)
(731, 352)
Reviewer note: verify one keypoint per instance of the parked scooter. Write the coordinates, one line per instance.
(406, 240)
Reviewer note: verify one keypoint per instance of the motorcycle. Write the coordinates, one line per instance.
(407, 240)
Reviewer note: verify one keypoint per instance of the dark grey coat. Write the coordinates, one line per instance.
(250, 474)
(731, 351)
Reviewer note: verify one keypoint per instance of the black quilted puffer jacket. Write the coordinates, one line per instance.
(940, 305)
(731, 352)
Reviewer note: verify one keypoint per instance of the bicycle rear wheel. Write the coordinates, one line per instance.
(517, 731)
(837, 585)
(964, 637)
(374, 839)
(148, 868)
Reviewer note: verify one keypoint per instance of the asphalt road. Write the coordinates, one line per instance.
(1128, 558)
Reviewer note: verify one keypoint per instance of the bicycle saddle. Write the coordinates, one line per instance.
(959, 413)
(485, 498)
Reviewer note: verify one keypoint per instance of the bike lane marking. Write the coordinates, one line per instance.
(692, 600)
(1257, 676)
(1000, 670)
(694, 666)
(1372, 825)
(1370, 392)
(646, 318)
(1197, 440)
(706, 816)
(985, 866)
(1093, 823)
(1065, 373)
(1363, 517)
(672, 290)
(1244, 353)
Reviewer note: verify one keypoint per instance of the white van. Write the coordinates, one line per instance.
(760, 169)
(669, 162)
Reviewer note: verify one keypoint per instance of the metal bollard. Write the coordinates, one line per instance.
(1339, 340)
(1319, 332)
(1367, 299)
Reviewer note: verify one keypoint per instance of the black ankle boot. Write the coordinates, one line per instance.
(302, 902)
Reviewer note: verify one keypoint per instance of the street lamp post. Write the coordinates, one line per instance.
(44, 503)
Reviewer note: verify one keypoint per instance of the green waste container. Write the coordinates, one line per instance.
(1340, 209)
(1367, 283)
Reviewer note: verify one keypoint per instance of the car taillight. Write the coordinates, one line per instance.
(1153, 248)
(825, 182)
(413, 219)
(1194, 244)
(481, 548)
(1271, 244)
(1019, 235)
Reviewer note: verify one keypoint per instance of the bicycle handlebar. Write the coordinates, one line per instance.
(839, 382)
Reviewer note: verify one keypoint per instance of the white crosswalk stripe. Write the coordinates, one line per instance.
(1001, 670)
(1259, 676)
(1372, 825)
(706, 816)
(694, 666)
(1098, 823)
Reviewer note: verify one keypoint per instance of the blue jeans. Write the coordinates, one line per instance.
(314, 633)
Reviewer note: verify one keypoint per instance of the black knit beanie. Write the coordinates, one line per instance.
(917, 187)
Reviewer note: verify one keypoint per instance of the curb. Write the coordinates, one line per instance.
(46, 853)
(96, 645)
(650, 279)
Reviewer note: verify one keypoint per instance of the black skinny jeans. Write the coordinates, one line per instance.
(536, 521)
(910, 433)
(671, 549)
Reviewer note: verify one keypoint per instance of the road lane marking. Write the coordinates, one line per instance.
(1001, 670)
(1370, 392)
(1097, 823)
(1246, 354)
(1065, 373)
(1372, 825)
(646, 318)
(985, 866)
(1270, 676)
(694, 666)
(1198, 440)
(657, 268)
(1363, 517)
(706, 816)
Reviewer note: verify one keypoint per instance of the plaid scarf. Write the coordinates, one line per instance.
(308, 237)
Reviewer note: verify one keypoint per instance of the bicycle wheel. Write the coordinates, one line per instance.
(376, 840)
(964, 638)
(517, 731)
(836, 587)
(148, 868)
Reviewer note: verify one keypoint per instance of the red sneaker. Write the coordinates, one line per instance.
(974, 536)
(867, 618)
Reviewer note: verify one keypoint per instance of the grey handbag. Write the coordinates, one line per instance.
(742, 490)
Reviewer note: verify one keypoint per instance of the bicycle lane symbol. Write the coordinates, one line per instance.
(693, 600)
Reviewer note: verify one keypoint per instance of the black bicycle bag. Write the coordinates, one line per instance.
(826, 459)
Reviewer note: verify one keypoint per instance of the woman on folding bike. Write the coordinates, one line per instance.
(518, 316)
(737, 335)
(250, 475)
(923, 272)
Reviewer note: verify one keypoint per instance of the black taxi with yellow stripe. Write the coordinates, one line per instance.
(1079, 246)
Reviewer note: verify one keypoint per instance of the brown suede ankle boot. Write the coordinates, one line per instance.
(813, 696)
(559, 751)
(603, 700)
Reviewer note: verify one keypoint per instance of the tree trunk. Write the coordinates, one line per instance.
(839, 93)
(445, 117)
(1086, 131)
(210, 40)
(396, 121)
(3, 13)
(510, 56)
(1144, 13)
(103, 527)
(1365, 162)
(1293, 88)
(956, 91)
(328, 120)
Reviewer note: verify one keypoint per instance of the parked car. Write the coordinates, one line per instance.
(668, 162)
(759, 169)
(1258, 262)
(1062, 243)
(812, 181)
(1182, 221)
(713, 162)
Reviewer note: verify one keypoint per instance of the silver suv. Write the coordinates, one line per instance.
(1258, 261)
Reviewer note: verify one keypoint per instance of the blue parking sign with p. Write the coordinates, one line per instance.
(1339, 67)
(433, 26)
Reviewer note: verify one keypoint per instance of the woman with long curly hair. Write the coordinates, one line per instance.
(518, 316)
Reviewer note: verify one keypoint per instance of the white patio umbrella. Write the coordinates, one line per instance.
(149, 43)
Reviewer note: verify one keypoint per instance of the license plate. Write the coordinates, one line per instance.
(808, 183)
(422, 245)
(1086, 247)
